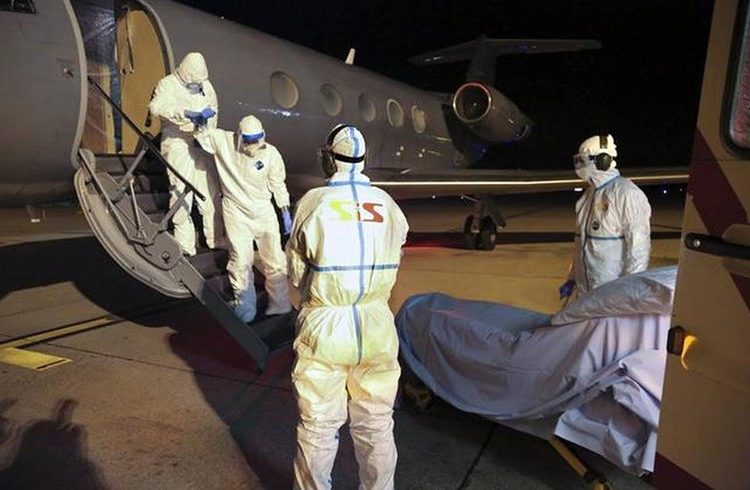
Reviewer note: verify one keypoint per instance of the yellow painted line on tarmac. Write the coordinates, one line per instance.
(60, 332)
(11, 352)
(30, 359)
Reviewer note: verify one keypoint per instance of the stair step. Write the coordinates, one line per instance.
(152, 202)
(146, 183)
(118, 164)
(221, 285)
(276, 331)
(151, 182)
(205, 275)
(210, 262)
(156, 216)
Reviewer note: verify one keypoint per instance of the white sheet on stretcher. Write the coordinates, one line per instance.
(596, 382)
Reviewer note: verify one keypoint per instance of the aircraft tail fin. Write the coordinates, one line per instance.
(483, 53)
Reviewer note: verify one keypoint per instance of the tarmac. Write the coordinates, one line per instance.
(149, 392)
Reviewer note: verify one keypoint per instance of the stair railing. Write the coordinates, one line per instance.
(143, 234)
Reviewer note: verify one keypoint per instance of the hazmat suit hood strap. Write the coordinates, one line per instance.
(192, 69)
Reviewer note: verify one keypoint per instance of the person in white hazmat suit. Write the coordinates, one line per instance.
(186, 102)
(251, 170)
(613, 236)
(344, 252)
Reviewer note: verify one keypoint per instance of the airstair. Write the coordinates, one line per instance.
(126, 202)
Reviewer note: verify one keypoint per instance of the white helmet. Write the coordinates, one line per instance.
(599, 150)
(251, 136)
(345, 147)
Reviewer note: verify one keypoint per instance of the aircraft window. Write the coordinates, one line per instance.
(395, 113)
(331, 100)
(284, 90)
(20, 6)
(737, 117)
(367, 108)
(418, 119)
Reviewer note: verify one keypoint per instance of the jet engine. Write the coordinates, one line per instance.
(489, 114)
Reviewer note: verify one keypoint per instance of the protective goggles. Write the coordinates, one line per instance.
(252, 138)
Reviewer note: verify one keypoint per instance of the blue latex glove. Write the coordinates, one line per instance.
(567, 288)
(286, 221)
(195, 117)
(208, 113)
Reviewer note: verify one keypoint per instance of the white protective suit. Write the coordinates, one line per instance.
(170, 101)
(247, 183)
(344, 253)
(613, 232)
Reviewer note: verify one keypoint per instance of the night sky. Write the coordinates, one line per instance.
(643, 86)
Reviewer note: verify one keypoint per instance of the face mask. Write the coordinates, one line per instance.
(585, 171)
(195, 87)
(252, 149)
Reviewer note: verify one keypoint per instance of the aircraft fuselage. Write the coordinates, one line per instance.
(46, 101)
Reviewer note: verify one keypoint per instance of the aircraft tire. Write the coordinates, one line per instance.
(487, 234)
(470, 239)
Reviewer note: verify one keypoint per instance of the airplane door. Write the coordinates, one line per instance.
(43, 105)
(704, 431)
(141, 62)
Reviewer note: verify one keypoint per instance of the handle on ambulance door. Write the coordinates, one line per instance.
(711, 245)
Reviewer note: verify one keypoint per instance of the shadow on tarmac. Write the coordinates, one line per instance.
(261, 414)
(81, 261)
(51, 453)
(259, 410)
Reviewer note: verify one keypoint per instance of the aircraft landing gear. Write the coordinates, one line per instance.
(480, 228)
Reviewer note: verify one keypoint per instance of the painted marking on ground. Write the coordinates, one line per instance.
(36, 361)
(11, 351)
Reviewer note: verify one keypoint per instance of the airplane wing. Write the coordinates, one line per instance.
(407, 184)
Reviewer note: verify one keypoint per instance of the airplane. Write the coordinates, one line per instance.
(78, 76)
(420, 143)
(50, 112)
